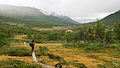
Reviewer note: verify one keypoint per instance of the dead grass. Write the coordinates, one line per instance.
(69, 55)
(54, 28)
(20, 36)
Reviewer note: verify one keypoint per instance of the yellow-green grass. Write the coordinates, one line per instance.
(90, 59)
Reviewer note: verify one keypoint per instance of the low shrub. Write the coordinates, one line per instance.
(15, 51)
(38, 41)
(80, 65)
(56, 57)
(81, 44)
(101, 66)
(14, 63)
(110, 64)
(118, 48)
(67, 45)
(95, 46)
(43, 50)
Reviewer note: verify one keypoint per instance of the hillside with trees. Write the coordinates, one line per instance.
(32, 17)
(92, 45)
(112, 18)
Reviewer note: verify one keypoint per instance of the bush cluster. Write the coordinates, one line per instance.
(55, 57)
(15, 51)
(14, 63)
(43, 50)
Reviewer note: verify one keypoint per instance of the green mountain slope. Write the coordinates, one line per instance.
(112, 18)
(32, 17)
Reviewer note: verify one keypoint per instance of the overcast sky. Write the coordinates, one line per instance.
(72, 8)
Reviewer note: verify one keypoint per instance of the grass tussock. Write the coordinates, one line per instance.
(14, 63)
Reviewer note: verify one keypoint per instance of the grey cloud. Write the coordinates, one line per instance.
(73, 8)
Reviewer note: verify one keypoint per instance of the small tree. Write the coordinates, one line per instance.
(99, 31)
(117, 31)
(117, 34)
(108, 37)
(29, 36)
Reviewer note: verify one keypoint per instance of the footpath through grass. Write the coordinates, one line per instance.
(69, 57)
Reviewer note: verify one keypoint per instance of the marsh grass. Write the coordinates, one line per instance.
(14, 63)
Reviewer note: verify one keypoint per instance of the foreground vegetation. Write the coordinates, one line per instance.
(97, 43)
(14, 63)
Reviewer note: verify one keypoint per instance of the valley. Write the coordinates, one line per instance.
(57, 40)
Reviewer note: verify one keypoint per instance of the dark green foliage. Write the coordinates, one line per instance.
(81, 44)
(15, 51)
(80, 65)
(29, 36)
(43, 50)
(75, 36)
(94, 38)
(112, 18)
(14, 63)
(99, 31)
(68, 37)
(12, 29)
(55, 57)
(47, 36)
(38, 41)
(95, 46)
(117, 31)
(81, 34)
(101, 66)
(76, 44)
(5, 34)
(108, 36)
(86, 45)
(67, 45)
(118, 47)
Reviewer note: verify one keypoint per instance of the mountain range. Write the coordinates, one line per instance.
(32, 17)
(112, 18)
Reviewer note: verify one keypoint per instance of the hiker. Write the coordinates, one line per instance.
(32, 43)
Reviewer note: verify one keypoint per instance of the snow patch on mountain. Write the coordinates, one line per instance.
(84, 20)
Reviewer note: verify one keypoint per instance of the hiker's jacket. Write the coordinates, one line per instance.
(32, 43)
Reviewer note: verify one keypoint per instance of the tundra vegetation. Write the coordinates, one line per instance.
(92, 38)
